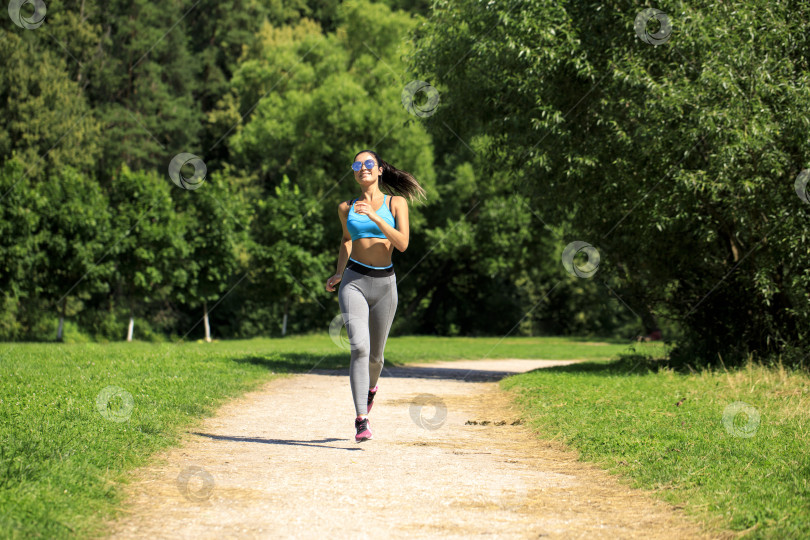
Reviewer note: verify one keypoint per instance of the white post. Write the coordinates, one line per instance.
(205, 321)
(131, 327)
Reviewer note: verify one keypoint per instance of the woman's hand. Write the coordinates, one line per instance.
(332, 281)
(366, 209)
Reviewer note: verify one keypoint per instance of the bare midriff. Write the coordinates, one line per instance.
(372, 251)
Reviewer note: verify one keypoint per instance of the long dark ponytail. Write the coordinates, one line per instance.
(396, 181)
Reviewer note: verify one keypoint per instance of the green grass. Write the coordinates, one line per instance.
(664, 430)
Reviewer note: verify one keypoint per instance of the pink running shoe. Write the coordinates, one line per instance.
(371, 394)
(363, 432)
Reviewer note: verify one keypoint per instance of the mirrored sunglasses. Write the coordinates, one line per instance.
(369, 163)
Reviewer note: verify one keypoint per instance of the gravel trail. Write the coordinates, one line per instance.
(449, 459)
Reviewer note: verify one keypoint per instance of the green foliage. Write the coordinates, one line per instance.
(152, 238)
(556, 123)
(46, 122)
(75, 230)
(305, 101)
(216, 227)
(19, 219)
(316, 98)
(676, 161)
(145, 75)
(280, 260)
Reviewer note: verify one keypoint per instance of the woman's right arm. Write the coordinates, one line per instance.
(345, 248)
(346, 241)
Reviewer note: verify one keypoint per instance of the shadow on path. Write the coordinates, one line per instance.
(462, 374)
(465, 375)
(276, 441)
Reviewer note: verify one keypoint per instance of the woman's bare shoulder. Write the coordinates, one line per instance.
(344, 206)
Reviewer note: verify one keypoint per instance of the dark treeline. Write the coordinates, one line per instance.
(679, 162)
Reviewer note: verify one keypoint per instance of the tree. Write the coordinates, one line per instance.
(75, 234)
(218, 223)
(20, 247)
(150, 241)
(283, 262)
(677, 161)
(144, 83)
(46, 121)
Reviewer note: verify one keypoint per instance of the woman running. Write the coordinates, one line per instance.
(373, 225)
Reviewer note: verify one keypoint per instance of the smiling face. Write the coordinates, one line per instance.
(365, 176)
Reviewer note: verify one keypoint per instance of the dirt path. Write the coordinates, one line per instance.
(282, 462)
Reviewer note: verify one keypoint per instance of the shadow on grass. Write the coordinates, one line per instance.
(297, 362)
(627, 364)
(610, 340)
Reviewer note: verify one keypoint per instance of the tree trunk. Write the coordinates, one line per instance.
(131, 326)
(61, 320)
(205, 322)
(284, 319)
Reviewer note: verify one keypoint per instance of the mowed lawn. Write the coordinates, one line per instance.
(75, 418)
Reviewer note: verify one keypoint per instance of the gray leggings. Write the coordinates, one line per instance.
(368, 305)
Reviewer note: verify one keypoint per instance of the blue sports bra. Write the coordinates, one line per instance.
(361, 226)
